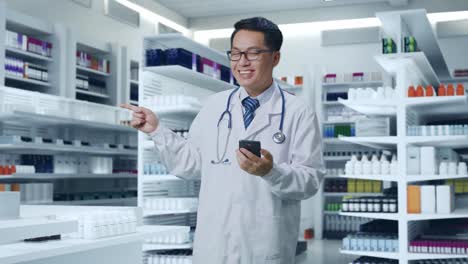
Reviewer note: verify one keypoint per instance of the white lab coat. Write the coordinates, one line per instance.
(242, 218)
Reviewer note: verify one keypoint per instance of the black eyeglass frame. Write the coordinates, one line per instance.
(245, 53)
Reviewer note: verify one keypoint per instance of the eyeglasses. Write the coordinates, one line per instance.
(250, 55)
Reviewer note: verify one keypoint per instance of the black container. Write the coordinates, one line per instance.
(225, 74)
(180, 57)
(155, 57)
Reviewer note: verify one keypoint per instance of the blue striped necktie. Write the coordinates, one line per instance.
(250, 105)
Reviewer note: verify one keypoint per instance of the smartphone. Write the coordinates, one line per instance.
(252, 146)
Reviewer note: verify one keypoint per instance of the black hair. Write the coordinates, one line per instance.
(273, 37)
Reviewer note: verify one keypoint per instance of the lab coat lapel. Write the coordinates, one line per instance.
(264, 114)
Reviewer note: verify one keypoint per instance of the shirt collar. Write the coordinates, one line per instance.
(263, 97)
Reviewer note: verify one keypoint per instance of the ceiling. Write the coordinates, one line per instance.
(210, 8)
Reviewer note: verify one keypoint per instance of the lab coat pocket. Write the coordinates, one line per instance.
(267, 239)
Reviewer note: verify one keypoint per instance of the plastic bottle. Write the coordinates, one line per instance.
(366, 165)
(411, 91)
(429, 90)
(384, 165)
(441, 91)
(376, 170)
(394, 166)
(450, 90)
(420, 91)
(460, 89)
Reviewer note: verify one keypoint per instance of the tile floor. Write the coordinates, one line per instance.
(324, 252)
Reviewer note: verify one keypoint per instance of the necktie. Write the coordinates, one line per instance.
(250, 105)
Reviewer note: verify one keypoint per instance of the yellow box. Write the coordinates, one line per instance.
(368, 186)
(360, 186)
(459, 188)
(351, 185)
(377, 186)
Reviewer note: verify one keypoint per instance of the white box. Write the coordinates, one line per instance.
(371, 127)
(447, 154)
(445, 197)
(10, 204)
(413, 161)
(428, 199)
(429, 164)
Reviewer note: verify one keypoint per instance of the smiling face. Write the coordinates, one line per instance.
(255, 76)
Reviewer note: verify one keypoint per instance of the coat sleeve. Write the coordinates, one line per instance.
(301, 178)
(180, 156)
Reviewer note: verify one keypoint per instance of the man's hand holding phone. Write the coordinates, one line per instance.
(249, 159)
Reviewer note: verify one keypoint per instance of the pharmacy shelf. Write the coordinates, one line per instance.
(26, 55)
(131, 201)
(28, 252)
(457, 213)
(181, 110)
(372, 177)
(334, 141)
(288, 87)
(40, 120)
(52, 148)
(17, 178)
(135, 82)
(376, 254)
(388, 142)
(455, 142)
(337, 158)
(153, 247)
(160, 177)
(19, 229)
(352, 84)
(28, 81)
(393, 62)
(418, 178)
(134, 102)
(339, 122)
(384, 216)
(98, 95)
(150, 213)
(84, 69)
(340, 194)
(331, 213)
(421, 256)
(371, 106)
(331, 103)
(441, 107)
(192, 77)
(176, 40)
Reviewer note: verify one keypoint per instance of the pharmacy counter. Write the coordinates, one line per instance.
(116, 250)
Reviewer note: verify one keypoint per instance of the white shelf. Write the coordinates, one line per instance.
(131, 201)
(393, 62)
(26, 252)
(134, 102)
(99, 95)
(373, 142)
(417, 178)
(371, 107)
(339, 122)
(353, 84)
(372, 177)
(14, 230)
(287, 86)
(151, 247)
(135, 82)
(331, 103)
(388, 255)
(439, 141)
(182, 110)
(418, 256)
(457, 213)
(440, 107)
(189, 76)
(331, 213)
(385, 216)
(337, 158)
(47, 120)
(29, 81)
(26, 54)
(58, 176)
(334, 141)
(175, 40)
(340, 194)
(156, 178)
(84, 69)
(149, 213)
(68, 149)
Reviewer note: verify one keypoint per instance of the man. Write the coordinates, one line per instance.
(249, 210)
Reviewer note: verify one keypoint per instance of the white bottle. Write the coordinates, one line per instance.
(376, 170)
(357, 168)
(462, 168)
(384, 166)
(349, 167)
(443, 168)
(452, 168)
(394, 166)
(366, 165)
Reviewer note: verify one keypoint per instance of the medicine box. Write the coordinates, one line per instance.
(10, 204)
(428, 199)
(413, 161)
(371, 127)
(429, 165)
(445, 199)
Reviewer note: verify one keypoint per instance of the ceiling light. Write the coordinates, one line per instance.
(153, 16)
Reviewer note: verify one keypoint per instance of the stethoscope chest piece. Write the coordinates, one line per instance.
(279, 137)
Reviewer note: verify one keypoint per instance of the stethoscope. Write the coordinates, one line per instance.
(278, 137)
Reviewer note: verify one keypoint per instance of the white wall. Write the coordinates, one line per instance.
(90, 23)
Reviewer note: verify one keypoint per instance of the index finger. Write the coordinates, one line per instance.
(131, 108)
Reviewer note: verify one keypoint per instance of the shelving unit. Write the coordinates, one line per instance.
(134, 84)
(335, 144)
(425, 67)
